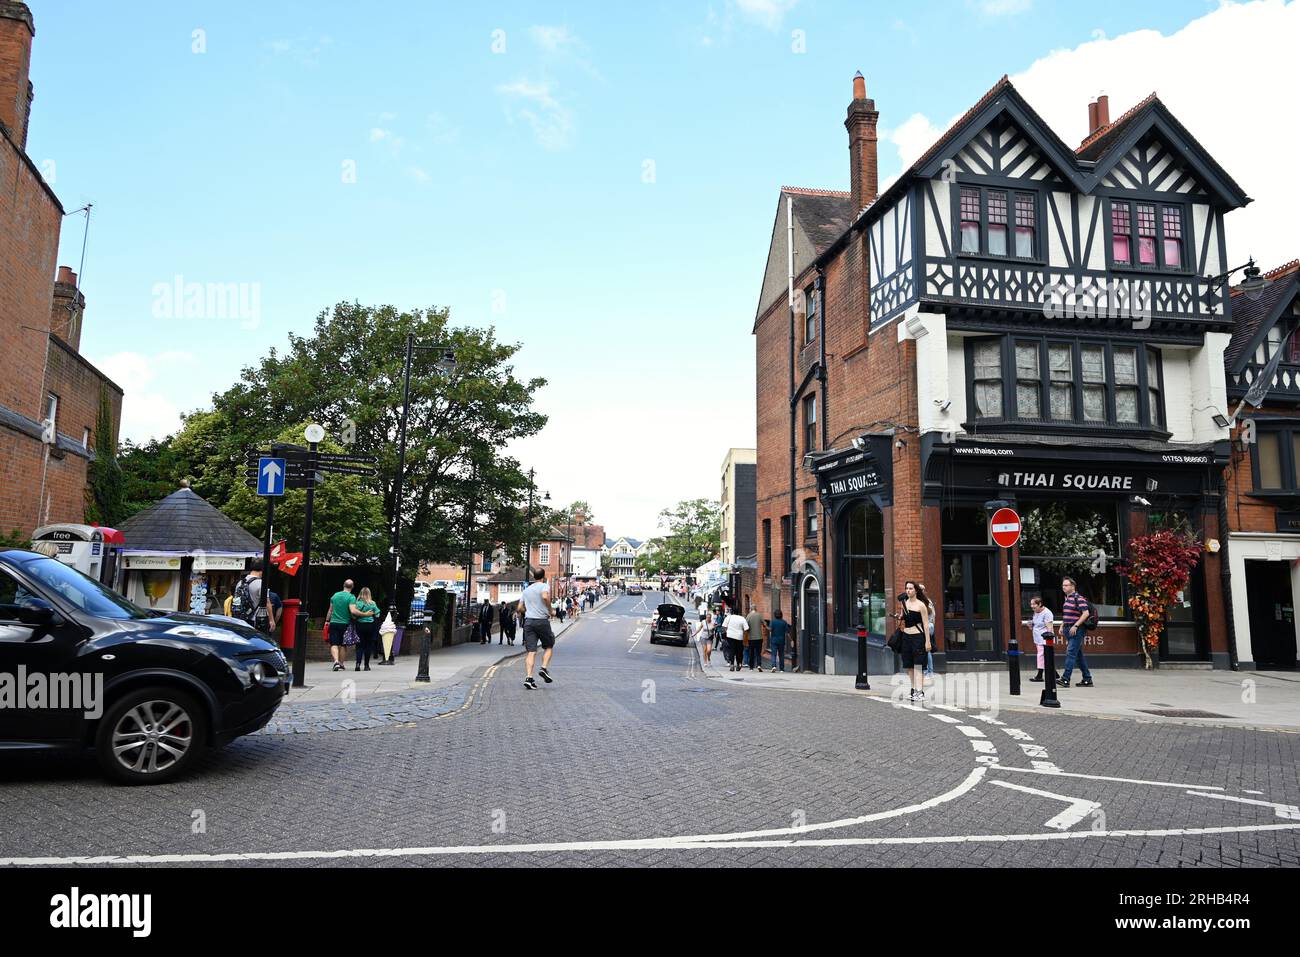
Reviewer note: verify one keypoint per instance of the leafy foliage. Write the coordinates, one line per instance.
(694, 535)
(1159, 565)
(105, 487)
(1073, 536)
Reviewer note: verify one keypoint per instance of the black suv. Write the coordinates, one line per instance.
(669, 624)
(82, 667)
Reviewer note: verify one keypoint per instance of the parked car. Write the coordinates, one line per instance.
(147, 691)
(669, 624)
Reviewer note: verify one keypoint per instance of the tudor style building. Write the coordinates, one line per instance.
(1011, 319)
(1263, 477)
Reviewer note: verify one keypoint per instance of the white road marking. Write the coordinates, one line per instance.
(1034, 750)
(987, 719)
(1100, 777)
(636, 637)
(1252, 792)
(1287, 812)
(946, 718)
(984, 746)
(1017, 734)
(652, 844)
(970, 732)
(1079, 807)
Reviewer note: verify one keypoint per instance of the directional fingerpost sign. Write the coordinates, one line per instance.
(270, 476)
(1005, 526)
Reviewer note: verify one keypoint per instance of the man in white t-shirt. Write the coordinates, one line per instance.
(535, 606)
(736, 626)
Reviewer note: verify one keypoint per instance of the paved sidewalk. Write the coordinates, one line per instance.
(1249, 699)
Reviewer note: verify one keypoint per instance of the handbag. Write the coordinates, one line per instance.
(895, 641)
(350, 637)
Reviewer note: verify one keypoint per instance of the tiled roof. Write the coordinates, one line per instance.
(824, 214)
(1247, 313)
(184, 522)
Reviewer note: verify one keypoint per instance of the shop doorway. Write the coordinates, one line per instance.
(1272, 614)
(810, 620)
(1183, 638)
(970, 626)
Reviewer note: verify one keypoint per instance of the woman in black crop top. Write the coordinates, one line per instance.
(915, 624)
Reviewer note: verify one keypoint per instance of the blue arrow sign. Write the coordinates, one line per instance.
(270, 476)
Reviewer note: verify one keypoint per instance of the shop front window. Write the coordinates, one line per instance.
(864, 567)
(1075, 540)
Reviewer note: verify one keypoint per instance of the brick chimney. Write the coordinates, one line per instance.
(1098, 114)
(864, 180)
(16, 33)
(67, 308)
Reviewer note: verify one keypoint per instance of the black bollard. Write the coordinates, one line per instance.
(862, 684)
(1048, 697)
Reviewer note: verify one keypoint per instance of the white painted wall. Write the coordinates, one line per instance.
(934, 228)
(1243, 547)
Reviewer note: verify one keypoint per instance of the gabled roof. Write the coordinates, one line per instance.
(821, 216)
(183, 523)
(1107, 146)
(1252, 318)
(1083, 168)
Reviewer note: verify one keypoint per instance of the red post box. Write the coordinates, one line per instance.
(289, 621)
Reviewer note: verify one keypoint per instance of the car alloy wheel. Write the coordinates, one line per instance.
(151, 735)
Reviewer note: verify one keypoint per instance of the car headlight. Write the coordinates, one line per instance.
(258, 672)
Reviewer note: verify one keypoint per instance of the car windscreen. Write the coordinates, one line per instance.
(82, 591)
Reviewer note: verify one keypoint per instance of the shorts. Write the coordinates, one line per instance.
(913, 650)
(336, 633)
(538, 630)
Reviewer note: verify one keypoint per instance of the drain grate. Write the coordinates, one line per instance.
(1184, 713)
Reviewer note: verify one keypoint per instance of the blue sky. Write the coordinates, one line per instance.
(597, 181)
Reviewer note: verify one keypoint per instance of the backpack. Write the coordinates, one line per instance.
(1092, 622)
(242, 607)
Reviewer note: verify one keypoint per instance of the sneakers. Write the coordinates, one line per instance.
(1085, 683)
(530, 684)
(920, 696)
(338, 667)
(1062, 683)
(545, 675)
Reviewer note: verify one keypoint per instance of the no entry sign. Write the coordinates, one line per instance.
(1005, 526)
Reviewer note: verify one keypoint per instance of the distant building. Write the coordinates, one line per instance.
(739, 489)
(622, 553)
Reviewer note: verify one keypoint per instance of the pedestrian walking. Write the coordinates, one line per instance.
(247, 602)
(754, 636)
(503, 615)
(485, 622)
(704, 631)
(535, 606)
(1042, 627)
(274, 619)
(929, 655)
(776, 632)
(559, 609)
(1076, 619)
(367, 624)
(341, 607)
(915, 626)
(737, 628)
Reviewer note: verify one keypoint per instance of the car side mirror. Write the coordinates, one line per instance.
(36, 612)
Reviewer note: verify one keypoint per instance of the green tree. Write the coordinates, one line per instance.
(461, 491)
(694, 534)
(347, 522)
(105, 487)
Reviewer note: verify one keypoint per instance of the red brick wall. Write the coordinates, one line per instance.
(16, 31)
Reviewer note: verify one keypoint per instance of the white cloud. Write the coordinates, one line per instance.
(146, 413)
(418, 174)
(534, 103)
(378, 133)
(1002, 8)
(913, 137)
(552, 39)
(766, 13)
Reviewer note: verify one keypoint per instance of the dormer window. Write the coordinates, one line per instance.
(1146, 235)
(998, 222)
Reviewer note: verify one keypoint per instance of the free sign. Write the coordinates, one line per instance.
(1005, 526)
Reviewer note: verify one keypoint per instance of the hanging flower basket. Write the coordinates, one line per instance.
(1158, 567)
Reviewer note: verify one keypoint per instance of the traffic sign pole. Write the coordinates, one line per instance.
(1004, 526)
(304, 615)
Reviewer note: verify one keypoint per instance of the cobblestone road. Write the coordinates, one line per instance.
(633, 757)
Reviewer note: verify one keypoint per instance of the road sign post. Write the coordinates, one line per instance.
(314, 434)
(1004, 525)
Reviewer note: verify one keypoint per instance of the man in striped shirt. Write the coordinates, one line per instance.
(1075, 612)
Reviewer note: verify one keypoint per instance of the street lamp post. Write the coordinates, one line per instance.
(446, 363)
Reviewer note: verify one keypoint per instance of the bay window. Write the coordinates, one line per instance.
(1065, 381)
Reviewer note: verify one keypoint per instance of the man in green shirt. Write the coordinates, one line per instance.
(342, 608)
